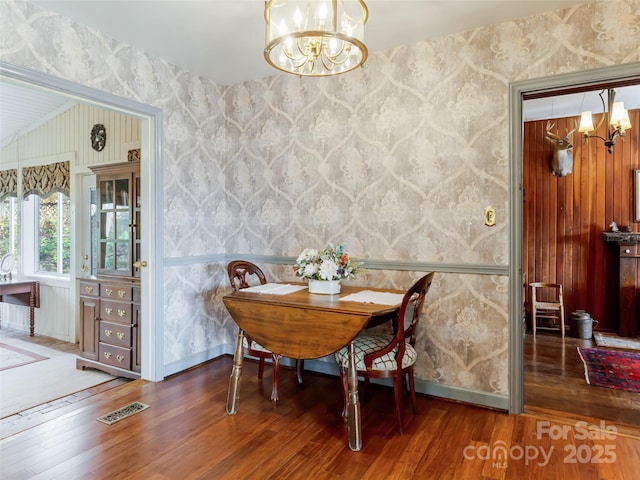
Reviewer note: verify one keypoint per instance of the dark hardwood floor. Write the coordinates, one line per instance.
(186, 434)
(555, 383)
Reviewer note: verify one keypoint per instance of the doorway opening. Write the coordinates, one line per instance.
(526, 351)
(151, 193)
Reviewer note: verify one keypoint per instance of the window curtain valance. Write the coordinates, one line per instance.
(8, 183)
(43, 180)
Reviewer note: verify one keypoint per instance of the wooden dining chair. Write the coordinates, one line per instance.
(390, 355)
(547, 307)
(241, 275)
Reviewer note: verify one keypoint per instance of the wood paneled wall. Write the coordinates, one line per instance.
(564, 217)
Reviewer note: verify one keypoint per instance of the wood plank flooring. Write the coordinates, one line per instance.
(186, 434)
(47, 411)
(555, 382)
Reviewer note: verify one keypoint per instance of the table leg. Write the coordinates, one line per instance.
(32, 305)
(299, 370)
(233, 395)
(353, 403)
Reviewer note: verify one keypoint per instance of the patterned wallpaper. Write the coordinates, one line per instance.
(398, 160)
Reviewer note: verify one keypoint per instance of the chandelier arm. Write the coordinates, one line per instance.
(333, 58)
(327, 65)
(297, 61)
(587, 137)
(302, 60)
(604, 111)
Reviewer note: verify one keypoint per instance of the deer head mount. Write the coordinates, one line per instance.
(562, 160)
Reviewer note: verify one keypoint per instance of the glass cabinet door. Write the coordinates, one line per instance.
(115, 226)
(118, 238)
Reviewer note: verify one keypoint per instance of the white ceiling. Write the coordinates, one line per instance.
(224, 40)
(22, 109)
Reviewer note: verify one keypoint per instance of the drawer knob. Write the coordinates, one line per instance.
(122, 293)
(120, 358)
(108, 291)
(120, 335)
(626, 250)
(108, 333)
(108, 310)
(88, 289)
(121, 313)
(107, 355)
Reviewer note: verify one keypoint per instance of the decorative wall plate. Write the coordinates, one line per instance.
(98, 137)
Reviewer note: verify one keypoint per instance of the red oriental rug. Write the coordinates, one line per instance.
(611, 368)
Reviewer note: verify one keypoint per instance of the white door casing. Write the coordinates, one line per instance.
(151, 193)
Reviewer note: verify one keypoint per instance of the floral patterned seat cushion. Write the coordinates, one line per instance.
(368, 343)
(254, 346)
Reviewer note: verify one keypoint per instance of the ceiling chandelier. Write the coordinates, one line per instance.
(315, 38)
(618, 120)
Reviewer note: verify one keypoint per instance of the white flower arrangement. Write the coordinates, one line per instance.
(332, 263)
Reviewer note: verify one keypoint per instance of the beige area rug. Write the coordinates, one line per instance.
(614, 341)
(12, 357)
(28, 386)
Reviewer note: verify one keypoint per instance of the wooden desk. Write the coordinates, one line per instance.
(303, 325)
(21, 293)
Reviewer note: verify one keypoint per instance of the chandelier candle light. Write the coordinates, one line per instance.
(315, 37)
(326, 268)
(618, 119)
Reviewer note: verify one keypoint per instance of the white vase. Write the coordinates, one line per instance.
(326, 287)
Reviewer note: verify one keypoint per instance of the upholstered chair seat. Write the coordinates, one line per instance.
(369, 343)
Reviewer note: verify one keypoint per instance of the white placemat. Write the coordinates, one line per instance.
(274, 288)
(380, 298)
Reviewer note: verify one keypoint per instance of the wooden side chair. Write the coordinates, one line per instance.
(390, 355)
(547, 305)
(240, 273)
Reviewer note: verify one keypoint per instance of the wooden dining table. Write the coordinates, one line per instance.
(303, 325)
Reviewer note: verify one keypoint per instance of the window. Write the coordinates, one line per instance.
(9, 226)
(53, 239)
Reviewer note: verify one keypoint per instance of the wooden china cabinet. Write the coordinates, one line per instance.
(110, 301)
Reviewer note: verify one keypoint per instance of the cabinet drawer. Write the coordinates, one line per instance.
(115, 334)
(89, 289)
(117, 356)
(117, 292)
(115, 311)
(628, 250)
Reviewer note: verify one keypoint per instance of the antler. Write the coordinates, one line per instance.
(556, 137)
(549, 134)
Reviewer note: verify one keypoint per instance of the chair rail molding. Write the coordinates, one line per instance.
(369, 264)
